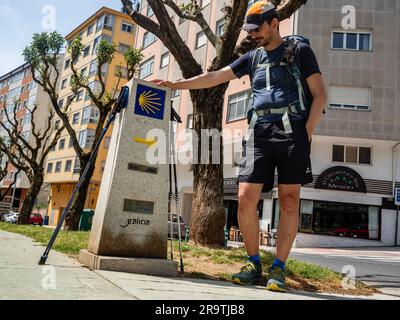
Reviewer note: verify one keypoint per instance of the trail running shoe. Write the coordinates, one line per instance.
(276, 280)
(248, 275)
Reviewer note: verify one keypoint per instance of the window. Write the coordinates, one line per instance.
(121, 71)
(64, 84)
(146, 68)
(97, 41)
(106, 21)
(220, 27)
(340, 219)
(68, 165)
(77, 166)
(238, 105)
(189, 122)
(126, 27)
(103, 166)
(62, 144)
(75, 118)
(107, 141)
(148, 39)
(61, 103)
(95, 44)
(70, 144)
(359, 41)
(93, 68)
(201, 40)
(122, 48)
(90, 29)
(83, 72)
(86, 138)
(164, 60)
(352, 154)
(49, 167)
(95, 87)
(149, 12)
(90, 115)
(79, 95)
(86, 51)
(349, 98)
(57, 124)
(67, 63)
(58, 166)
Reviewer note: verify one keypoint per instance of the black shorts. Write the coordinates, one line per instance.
(273, 148)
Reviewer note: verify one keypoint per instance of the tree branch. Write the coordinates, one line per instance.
(196, 16)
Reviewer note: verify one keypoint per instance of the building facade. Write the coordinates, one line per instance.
(62, 167)
(18, 90)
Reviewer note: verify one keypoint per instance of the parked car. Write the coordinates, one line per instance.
(175, 229)
(356, 231)
(360, 231)
(12, 218)
(36, 219)
(342, 232)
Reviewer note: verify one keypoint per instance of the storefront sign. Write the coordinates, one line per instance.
(341, 178)
(397, 197)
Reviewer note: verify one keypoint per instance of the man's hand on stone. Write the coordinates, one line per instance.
(164, 83)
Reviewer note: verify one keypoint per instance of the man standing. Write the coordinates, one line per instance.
(289, 98)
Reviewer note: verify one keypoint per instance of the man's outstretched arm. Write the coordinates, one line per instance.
(203, 81)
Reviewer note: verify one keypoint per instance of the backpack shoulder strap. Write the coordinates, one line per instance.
(255, 60)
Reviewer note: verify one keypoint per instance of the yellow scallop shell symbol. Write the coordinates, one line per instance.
(149, 102)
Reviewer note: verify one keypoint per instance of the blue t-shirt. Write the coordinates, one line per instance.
(283, 87)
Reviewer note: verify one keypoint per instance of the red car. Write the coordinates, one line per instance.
(36, 219)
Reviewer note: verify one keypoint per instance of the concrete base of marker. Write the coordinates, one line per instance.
(154, 267)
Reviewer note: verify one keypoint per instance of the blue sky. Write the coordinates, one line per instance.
(20, 19)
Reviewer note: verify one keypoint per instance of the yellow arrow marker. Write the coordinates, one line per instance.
(149, 142)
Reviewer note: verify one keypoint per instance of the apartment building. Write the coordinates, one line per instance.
(17, 89)
(355, 150)
(62, 166)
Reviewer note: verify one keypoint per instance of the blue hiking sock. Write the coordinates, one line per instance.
(255, 259)
(278, 263)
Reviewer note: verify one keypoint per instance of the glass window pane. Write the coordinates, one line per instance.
(365, 155)
(365, 42)
(351, 154)
(351, 41)
(337, 40)
(231, 111)
(241, 107)
(338, 153)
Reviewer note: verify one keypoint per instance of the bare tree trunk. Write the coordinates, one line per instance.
(208, 180)
(30, 199)
(74, 215)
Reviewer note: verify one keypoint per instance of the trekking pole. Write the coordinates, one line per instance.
(120, 104)
(171, 232)
(175, 117)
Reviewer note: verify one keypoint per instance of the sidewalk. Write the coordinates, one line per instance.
(22, 278)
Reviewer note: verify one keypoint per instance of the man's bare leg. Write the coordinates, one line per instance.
(249, 195)
(289, 200)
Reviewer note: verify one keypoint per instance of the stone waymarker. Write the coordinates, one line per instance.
(129, 231)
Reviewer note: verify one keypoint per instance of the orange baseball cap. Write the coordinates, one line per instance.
(257, 14)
